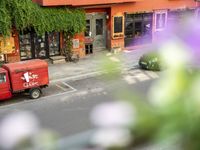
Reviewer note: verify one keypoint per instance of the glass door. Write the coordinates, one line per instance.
(25, 46)
(53, 43)
(99, 31)
(40, 46)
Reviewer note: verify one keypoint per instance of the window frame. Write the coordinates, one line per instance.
(4, 78)
(118, 34)
(160, 12)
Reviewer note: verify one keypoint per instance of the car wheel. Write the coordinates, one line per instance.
(35, 93)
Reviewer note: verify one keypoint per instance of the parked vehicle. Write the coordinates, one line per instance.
(26, 76)
(151, 61)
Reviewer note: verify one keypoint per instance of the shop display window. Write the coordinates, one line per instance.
(25, 46)
(54, 42)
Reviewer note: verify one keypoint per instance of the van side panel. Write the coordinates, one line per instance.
(37, 77)
(28, 74)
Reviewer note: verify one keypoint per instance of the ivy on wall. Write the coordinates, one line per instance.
(24, 14)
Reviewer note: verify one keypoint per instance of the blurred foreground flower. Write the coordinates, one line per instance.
(112, 138)
(113, 114)
(113, 120)
(16, 128)
(171, 115)
(21, 131)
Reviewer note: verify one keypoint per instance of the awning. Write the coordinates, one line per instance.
(80, 2)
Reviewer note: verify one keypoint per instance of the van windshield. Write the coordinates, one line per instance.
(2, 78)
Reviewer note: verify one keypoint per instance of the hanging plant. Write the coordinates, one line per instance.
(23, 14)
(5, 18)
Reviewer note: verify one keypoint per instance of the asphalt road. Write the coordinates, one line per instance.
(65, 106)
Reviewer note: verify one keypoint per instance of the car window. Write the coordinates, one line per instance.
(2, 78)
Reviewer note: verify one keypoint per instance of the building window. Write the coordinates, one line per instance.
(2, 78)
(40, 46)
(160, 20)
(87, 30)
(88, 49)
(25, 46)
(129, 29)
(99, 26)
(118, 21)
(138, 29)
(54, 42)
(175, 17)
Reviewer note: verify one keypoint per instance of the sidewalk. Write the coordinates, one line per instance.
(90, 65)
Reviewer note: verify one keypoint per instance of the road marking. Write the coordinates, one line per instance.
(133, 76)
(96, 90)
(82, 93)
(69, 86)
(63, 93)
(129, 79)
(135, 71)
(152, 74)
(114, 59)
(142, 77)
(64, 89)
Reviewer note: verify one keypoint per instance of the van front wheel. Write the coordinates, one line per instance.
(35, 93)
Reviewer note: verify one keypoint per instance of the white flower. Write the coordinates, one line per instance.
(113, 114)
(16, 127)
(165, 90)
(175, 54)
(111, 137)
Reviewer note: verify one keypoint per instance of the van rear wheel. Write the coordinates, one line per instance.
(35, 93)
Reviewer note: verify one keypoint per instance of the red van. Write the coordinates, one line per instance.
(25, 76)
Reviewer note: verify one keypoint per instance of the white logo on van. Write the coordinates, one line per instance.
(28, 76)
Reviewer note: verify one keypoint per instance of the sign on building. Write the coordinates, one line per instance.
(76, 43)
(7, 45)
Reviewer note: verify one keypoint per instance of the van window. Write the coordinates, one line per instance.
(2, 78)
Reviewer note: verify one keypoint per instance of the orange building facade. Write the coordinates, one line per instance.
(110, 24)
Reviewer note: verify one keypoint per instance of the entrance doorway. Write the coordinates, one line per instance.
(138, 29)
(95, 33)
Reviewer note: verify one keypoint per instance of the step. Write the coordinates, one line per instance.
(57, 59)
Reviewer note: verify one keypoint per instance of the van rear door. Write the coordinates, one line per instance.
(5, 90)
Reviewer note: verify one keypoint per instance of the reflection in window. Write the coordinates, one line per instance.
(40, 46)
(87, 30)
(129, 29)
(54, 42)
(160, 20)
(2, 78)
(138, 29)
(25, 46)
(99, 26)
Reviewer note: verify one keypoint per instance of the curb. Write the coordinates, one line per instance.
(90, 74)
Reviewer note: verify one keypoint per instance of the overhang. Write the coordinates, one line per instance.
(80, 2)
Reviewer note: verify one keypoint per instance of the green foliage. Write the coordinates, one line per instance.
(5, 18)
(25, 14)
(150, 61)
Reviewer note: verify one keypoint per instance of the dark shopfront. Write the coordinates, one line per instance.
(138, 29)
(176, 16)
(33, 46)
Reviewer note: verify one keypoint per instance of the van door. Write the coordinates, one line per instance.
(5, 92)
